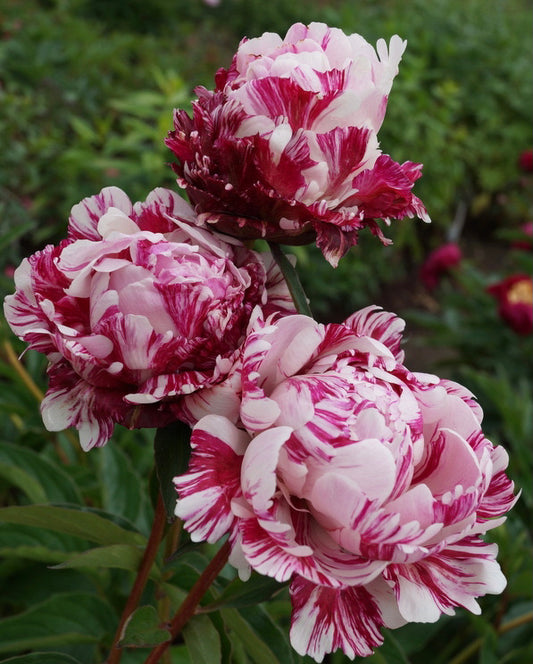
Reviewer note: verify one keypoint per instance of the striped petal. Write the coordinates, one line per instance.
(325, 619)
(213, 479)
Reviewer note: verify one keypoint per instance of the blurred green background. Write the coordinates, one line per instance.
(87, 89)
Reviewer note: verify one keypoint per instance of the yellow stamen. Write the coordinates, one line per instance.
(521, 292)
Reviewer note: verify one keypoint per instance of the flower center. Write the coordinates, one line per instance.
(521, 292)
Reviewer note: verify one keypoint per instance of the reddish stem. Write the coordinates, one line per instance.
(156, 535)
(188, 607)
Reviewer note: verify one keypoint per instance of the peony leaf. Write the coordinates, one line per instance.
(202, 641)
(23, 480)
(239, 593)
(118, 556)
(20, 541)
(143, 629)
(262, 639)
(86, 525)
(42, 658)
(63, 619)
(391, 652)
(44, 481)
(120, 484)
(172, 451)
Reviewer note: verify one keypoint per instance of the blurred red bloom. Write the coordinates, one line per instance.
(439, 263)
(515, 298)
(525, 161)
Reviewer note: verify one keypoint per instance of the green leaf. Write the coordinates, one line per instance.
(391, 652)
(172, 451)
(76, 522)
(30, 583)
(144, 629)
(62, 619)
(121, 487)
(238, 594)
(119, 556)
(46, 482)
(42, 658)
(227, 647)
(18, 477)
(202, 641)
(264, 641)
(19, 541)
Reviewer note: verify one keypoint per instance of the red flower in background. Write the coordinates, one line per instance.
(525, 161)
(515, 298)
(438, 263)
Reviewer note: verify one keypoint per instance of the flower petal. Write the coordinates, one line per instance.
(325, 619)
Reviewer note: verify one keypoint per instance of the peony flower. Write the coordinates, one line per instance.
(525, 161)
(285, 148)
(366, 486)
(515, 302)
(137, 307)
(438, 263)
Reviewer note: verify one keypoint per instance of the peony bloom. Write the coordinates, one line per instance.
(136, 308)
(515, 298)
(438, 263)
(366, 486)
(525, 161)
(286, 148)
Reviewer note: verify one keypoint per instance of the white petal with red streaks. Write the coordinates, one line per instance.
(325, 619)
(212, 480)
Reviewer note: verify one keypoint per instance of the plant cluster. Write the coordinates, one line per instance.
(357, 499)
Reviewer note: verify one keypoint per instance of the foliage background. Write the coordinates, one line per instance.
(87, 89)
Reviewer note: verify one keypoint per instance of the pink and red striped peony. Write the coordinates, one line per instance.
(285, 148)
(365, 485)
(327, 463)
(138, 307)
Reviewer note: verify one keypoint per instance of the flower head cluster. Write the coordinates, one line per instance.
(365, 485)
(286, 147)
(137, 307)
(324, 459)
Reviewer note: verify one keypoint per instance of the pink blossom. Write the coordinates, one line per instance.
(366, 486)
(515, 302)
(286, 145)
(138, 307)
(438, 263)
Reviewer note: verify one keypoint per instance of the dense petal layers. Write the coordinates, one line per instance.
(365, 485)
(286, 147)
(138, 307)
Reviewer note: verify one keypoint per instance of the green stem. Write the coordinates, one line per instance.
(190, 603)
(465, 654)
(291, 277)
(156, 534)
